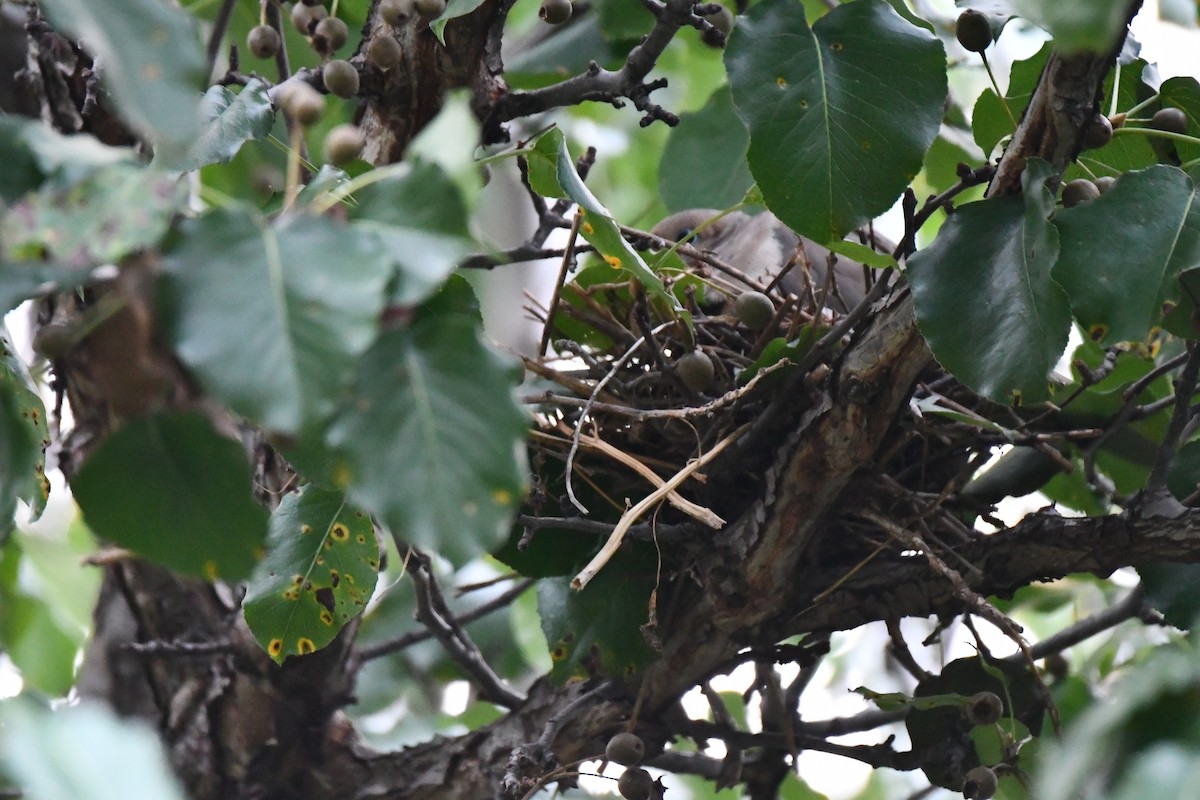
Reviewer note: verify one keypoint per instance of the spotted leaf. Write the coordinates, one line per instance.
(318, 574)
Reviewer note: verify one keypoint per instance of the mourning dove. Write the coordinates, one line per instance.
(760, 246)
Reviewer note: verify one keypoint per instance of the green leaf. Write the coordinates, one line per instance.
(1172, 589)
(150, 61)
(227, 121)
(31, 152)
(984, 297)
(112, 212)
(271, 316)
(1183, 93)
(430, 437)
(1120, 253)
(318, 574)
(932, 729)
(37, 644)
(171, 489)
(607, 615)
(1154, 705)
(83, 753)
(1091, 25)
(420, 218)
(602, 231)
(543, 163)
(715, 139)
(989, 121)
(840, 115)
(23, 435)
(454, 9)
(20, 281)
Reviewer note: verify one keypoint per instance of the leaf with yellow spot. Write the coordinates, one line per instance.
(23, 435)
(319, 572)
(603, 623)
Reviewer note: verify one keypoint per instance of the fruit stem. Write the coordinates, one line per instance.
(262, 12)
(1149, 101)
(292, 187)
(1112, 106)
(996, 88)
(1176, 137)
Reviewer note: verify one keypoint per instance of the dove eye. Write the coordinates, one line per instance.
(683, 233)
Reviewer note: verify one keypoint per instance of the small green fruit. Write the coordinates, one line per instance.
(635, 784)
(626, 748)
(555, 12)
(1170, 120)
(1079, 191)
(696, 370)
(722, 21)
(984, 708)
(973, 30)
(263, 41)
(1105, 183)
(1098, 133)
(384, 52)
(303, 103)
(979, 784)
(305, 18)
(343, 144)
(330, 34)
(429, 8)
(341, 78)
(395, 12)
(1055, 663)
(754, 310)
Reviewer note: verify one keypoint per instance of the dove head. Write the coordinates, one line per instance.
(761, 247)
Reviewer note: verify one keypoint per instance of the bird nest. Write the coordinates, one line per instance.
(630, 431)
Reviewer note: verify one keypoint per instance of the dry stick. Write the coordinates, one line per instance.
(643, 414)
(697, 512)
(633, 514)
(567, 259)
(591, 399)
(975, 602)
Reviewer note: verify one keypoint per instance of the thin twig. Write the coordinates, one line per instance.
(1185, 387)
(479, 612)
(697, 512)
(633, 514)
(433, 614)
(616, 366)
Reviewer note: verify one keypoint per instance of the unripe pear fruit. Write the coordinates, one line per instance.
(973, 30)
(305, 18)
(722, 20)
(754, 310)
(395, 12)
(263, 41)
(635, 784)
(555, 12)
(1079, 191)
(341, 78)
(429, 8)
(1098, 133)
(384, 52)
(1170, 120)
(980, 783)
(696, 370)
(984, 708)
(625, 749)
(330, 34)
(343, 144)
(303, 103)
(1105, 183)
